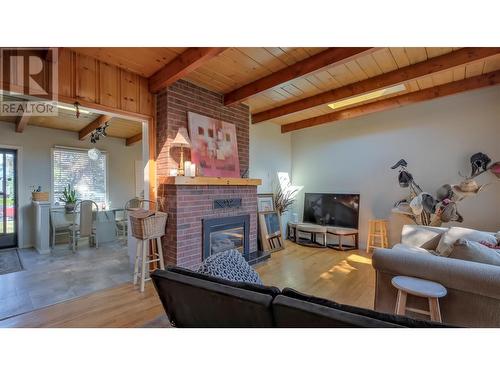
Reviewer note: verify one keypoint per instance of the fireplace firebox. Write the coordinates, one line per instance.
(225, 233)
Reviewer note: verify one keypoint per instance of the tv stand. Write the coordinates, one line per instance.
(340, 232)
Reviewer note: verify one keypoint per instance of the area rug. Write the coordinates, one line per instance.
(10, 261)
(160, 322)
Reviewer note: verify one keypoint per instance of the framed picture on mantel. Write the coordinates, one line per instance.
(214, 148)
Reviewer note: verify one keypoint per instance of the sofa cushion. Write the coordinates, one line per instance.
(475, 252)
(421, 250)
(270, 290)
(229, 265)
(393, 319)
(193, 300)
(449, 238)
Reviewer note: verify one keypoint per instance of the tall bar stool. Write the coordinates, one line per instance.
(377, 234)
(147, 254)
(147, 227)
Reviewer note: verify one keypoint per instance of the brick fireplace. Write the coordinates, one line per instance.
(188, 206)
(192, 201)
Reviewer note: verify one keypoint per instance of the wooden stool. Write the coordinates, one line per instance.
(377, 234)
(421, 288)
(147, 253)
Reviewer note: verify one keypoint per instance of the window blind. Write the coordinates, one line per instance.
(86, 176)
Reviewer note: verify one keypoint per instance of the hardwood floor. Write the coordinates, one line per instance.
(346, 277)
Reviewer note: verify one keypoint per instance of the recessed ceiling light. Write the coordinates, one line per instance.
(366, 97)
(72, 109)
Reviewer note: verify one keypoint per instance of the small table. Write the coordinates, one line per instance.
(313, 230)
(342, 232)
(420, 288)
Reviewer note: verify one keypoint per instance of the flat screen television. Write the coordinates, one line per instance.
(336, 210)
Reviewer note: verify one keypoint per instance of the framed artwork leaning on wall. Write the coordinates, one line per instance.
(270, 231)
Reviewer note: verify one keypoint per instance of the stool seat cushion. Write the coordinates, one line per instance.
(311, 228)
(341, 231)
(419, 287)
(229, 265)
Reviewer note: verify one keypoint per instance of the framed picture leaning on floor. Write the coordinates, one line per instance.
(270, 231)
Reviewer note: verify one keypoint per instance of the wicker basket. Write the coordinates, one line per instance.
(40, 196)
(149, 227)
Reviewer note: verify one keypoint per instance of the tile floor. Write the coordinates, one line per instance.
(62, 275)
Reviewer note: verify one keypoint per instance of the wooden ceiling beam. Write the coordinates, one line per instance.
(21, 123)
(485, 80)
(331, 56)
(93, 126)
(134, 139)
(437, 64)
(182, 65)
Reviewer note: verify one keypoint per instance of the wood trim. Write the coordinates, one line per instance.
(182, 65)
(472, 83)
(221, 181)
(152, 157)
(329, 57)
(134, 139)
(21, 123)
(93, 126)
(444, 62)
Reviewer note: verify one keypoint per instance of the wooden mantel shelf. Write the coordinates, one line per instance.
(221, 181)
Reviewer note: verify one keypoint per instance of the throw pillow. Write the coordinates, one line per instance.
(229, 265)
(489, 245)
(474, 252)
(415, 249)
(445, 246)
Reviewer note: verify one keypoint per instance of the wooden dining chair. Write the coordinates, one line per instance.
(85, 227)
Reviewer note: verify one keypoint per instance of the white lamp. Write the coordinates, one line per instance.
(181, 140)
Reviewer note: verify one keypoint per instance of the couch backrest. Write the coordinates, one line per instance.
(198, 301)
(293, 313)
(422, 236)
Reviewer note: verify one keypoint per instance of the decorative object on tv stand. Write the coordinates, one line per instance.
(69, 198)
(426, 209)
(181, 140)
(214, 147)
(100, 132)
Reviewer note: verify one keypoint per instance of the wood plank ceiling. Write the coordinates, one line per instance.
(67, 120)
(234, 68)
(292, 85)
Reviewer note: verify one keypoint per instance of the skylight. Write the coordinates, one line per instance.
(368, 96)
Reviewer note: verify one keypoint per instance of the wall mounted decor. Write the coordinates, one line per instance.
(426, 209)
(214, 146)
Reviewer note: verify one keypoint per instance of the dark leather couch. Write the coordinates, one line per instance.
(193, 300)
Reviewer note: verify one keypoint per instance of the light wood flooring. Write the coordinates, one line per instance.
(346, 277)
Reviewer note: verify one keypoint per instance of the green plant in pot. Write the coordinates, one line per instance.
(69, 198)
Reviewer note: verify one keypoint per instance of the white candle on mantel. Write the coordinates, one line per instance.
(192, 173)
(187, 168)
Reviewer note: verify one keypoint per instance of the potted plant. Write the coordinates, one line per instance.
(69, 198)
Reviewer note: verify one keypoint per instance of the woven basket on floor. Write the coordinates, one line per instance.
(149, 227)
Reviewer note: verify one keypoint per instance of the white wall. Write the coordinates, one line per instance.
(436, 138)
(36, 143)
(270, 153)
